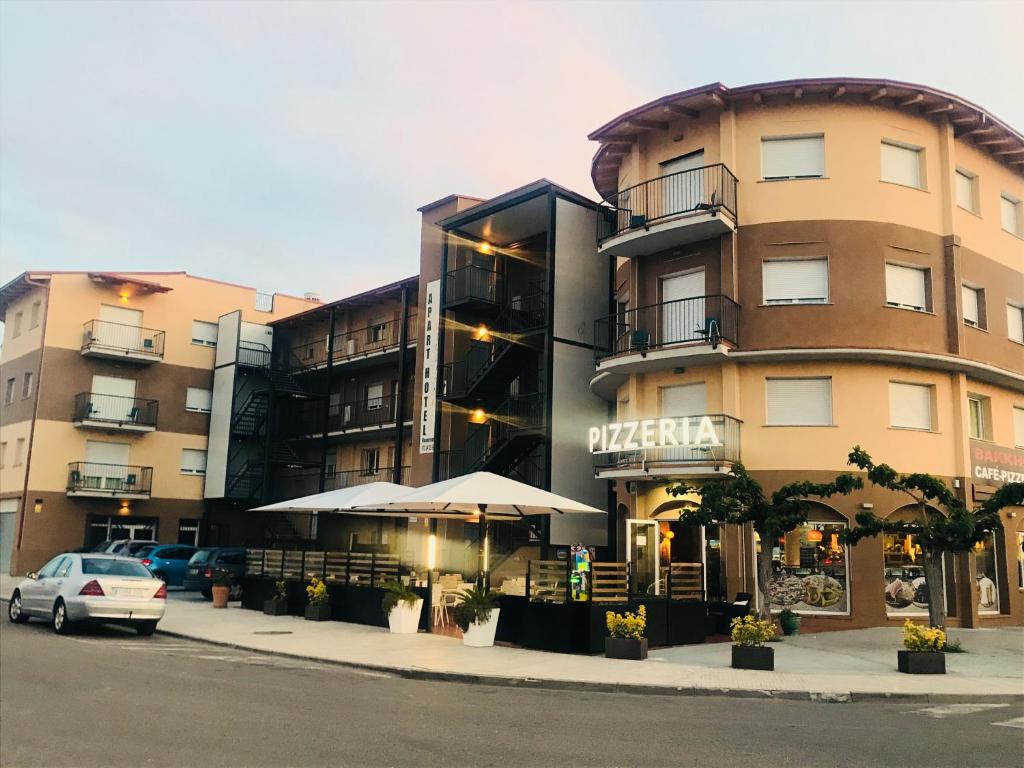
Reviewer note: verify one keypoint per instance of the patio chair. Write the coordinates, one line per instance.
(722, 613)
(438, 614)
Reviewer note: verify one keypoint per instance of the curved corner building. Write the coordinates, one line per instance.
(813, 265)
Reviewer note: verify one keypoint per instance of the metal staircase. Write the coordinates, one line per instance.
(251, 417)
(245, 482)
(517, 427)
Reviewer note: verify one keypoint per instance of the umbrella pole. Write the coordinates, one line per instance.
(481, 581)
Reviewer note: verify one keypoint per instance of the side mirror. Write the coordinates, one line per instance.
(32, 575)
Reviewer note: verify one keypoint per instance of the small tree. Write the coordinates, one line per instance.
(954, 528)
(739, 499)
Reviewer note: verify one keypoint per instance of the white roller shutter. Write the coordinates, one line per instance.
(1018, 427)
(684, 400)
(905, 286)
(1010, 212)
(795, 281)
(1015, 322)
(799, 402)
(197, 399)
(204, 333)
(793, 158)
(910, 405)
(965, 190)
(901, 165)
(193, 461)
(970, 301)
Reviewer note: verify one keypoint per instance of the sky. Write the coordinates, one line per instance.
(287, 146)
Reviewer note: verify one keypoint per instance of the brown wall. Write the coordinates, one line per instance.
(21, 408)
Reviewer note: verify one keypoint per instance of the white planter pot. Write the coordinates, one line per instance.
(404, 619)
(481, 635)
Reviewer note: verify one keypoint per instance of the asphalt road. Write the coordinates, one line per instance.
(105, 697)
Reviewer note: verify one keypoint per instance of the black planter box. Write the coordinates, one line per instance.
(753, 657)
(319, 612)
(274, 607)
(625, 648)
(921, 662)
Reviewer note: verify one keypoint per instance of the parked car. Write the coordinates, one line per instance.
(127, 547)
(166, 561)
(74, 588)
(207, 561)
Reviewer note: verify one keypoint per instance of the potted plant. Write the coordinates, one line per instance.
(922, 654)
(789, 621)
(477, 617)
(318, 608)
(223, 580)
(402, 606)
(749, 634)
(626, 639)
(278, 604)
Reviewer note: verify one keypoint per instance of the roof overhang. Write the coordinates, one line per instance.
(119, 281)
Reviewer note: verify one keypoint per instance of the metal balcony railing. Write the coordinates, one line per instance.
(115, 410)
(253, 354)
(92, 478)
(700, 190)
(306, 418)
(113, 339)
(348, 345)
(698, 320)
(296, 484)
(724, 451)
(472, 283)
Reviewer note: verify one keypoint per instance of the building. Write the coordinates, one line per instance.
(107, 381)
(802, 267)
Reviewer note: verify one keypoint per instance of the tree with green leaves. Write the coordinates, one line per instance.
(738, 499)
(943, 522)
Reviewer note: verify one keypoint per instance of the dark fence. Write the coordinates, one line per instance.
(472, 283)
(113, 479)
(347, 345)
(112, 338)
(115, 410)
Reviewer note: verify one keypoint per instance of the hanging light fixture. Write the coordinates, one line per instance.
(814, 536)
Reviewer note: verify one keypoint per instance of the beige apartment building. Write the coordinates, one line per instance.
(106, 393)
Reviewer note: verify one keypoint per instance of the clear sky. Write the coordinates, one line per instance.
(287, 146)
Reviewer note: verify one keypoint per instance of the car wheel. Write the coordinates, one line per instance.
(14, 609)
(146, 628)
(207, 593)
(61, 622)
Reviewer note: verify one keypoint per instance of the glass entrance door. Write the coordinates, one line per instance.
(642, 555)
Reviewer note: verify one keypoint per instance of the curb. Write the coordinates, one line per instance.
(819, 697)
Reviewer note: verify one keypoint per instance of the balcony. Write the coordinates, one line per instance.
(472, 286)
(703, 446)
(373, 344)
(94, 410)
(120, 481)
(356, 416)
(296, 484)
(114, 341)
(671, 210)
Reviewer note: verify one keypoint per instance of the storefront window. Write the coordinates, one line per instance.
(906, 590)
(1020, 560)
(987, 583)
(809, 570)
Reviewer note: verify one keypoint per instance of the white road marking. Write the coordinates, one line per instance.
(954, 710)
(1017, 722)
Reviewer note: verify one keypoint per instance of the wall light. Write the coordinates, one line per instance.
(485, 248)
(477, 416)
(482, 333)
(38, 506)
(125, 509)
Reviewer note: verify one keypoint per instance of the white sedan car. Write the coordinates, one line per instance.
(90, 587)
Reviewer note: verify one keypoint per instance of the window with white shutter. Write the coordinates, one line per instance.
(795, 281)
(793, 157)
(198, 399)
(967, 190)
(1010, 211)
(1015, 323)
(799, 402)
(910, 405)
(204, 333)
(1018, 426)
(974, 306)
(193, 461)
(902, 164)
(906, 287)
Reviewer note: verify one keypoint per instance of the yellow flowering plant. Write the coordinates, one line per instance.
(627, 625)
(751, 631)
(316, 591)
(918, 638)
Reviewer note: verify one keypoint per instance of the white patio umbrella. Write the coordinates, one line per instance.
(341, 500)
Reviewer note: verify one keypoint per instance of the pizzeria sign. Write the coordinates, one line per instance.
(664, 432)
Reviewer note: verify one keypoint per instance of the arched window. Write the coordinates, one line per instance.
(907, 592)
(809, 566)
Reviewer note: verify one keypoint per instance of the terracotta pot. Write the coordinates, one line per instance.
(220, 596)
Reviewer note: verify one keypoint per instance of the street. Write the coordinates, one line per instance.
(105, 697)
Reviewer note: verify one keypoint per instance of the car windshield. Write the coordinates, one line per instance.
(145, 551)
(103, 566)
(200, 557)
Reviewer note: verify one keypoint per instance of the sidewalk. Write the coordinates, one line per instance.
(833, 666)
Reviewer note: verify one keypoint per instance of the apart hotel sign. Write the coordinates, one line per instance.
(994, 465)
(665, 432)
(428, 401)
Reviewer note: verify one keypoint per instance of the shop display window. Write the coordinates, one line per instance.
(986, 583)
(809, 570)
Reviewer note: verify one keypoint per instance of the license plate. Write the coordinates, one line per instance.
(129, 592)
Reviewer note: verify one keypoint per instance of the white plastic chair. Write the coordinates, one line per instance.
(440, 618)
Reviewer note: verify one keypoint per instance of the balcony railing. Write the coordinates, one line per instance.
(700, 190)
(349, 345)
(89, 478)
(719, 452)
(472, 284)
(296, 484)
(698, 320)
(253, 354)
(106, 339)
(114, 411)
(368, 413)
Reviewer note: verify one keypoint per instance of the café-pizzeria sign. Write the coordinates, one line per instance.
(666, 432)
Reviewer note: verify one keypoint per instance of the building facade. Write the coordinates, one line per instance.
(107, 382)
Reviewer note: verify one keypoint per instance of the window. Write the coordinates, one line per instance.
(371, 461)
(799, 402)
(264, 302)
(1015, 323)
(1018, 426)
(9, 391)
(51, 567)
(377, 331)
(188, 533)
(16, 325)
(910, 406)
(33, 321)
(974, 306)
(987, 574)
(374, 396)
(19, 451)
(1010, 210)
(204, 333)
(979, 415)
(809, 572)
(199, 400)
(26, 385)
(193, 461)
(906, 287)
(901, 164)
(906, 590)
(795, 281)
(793, 157)
(3, 454)
(966, 190)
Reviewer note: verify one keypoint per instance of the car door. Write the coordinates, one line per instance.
(32, 590)
(50, 587)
